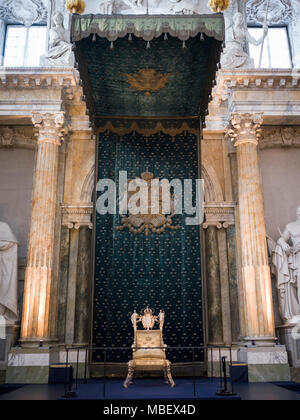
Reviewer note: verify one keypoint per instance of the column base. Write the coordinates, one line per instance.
(261, 341)
(36, 343)
(266, 364)
(31, 366)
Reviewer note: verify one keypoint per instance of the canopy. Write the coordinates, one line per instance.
(148, 27)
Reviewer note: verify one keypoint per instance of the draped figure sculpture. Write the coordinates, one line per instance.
(8, 274)
(286, 267)
(60, 52)
(234, 55)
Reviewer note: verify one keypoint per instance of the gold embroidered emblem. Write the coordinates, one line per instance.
(158, 222)
(147, 80)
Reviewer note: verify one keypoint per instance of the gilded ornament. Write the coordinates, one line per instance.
(157, 223)
(75, 6)
(218, 6)
(147, 80)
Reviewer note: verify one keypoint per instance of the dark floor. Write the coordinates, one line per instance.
(152, 389)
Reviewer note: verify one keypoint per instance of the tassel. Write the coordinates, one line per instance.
(166, 37)
(112, 45)
(94, 39)
(129, 37)
(148, 45)
(183, 44)
(201, 37)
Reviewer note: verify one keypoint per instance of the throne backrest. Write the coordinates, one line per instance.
(148, 342)
(151, 338)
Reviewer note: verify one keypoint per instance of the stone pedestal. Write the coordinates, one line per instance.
(266, 364)
(31, 366)
(36, 318)
(290, 336)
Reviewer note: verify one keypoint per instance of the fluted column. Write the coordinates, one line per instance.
(255, 285)
(39, 272)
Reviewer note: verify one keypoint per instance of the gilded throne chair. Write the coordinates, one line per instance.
(148, 349)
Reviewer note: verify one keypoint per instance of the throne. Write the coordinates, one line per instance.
(148, 349)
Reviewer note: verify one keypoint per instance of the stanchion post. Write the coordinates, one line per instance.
(77, 363)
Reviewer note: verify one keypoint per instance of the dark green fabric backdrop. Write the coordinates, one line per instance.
(133, 271)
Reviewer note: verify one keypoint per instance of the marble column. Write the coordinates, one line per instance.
(36, 322)
(256, 291)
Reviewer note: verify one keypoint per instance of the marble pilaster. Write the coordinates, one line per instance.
(63, 283)
(224, 284)
(36, 322)
(213, 288)
(256, 291)
(72, 279)
(233, 282)
(82, 312)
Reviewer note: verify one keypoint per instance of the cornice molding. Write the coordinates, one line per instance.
(228, 81)
(37, 77)
(220, 214)
(75, 216)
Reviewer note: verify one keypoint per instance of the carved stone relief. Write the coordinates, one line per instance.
(280, 11)
(26, 12)
(275, 137)
(20, 137)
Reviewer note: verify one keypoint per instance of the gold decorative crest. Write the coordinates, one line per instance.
(157, 223)
(147, 80)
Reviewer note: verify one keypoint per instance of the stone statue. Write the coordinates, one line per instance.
(8, 274)
(157, 7)
(234, 55)
(107, 7)
(286, 267)
(60, 52)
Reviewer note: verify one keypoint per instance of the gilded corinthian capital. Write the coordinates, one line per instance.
(49, 127)
(245, 128)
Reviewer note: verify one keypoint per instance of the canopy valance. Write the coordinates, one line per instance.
(148, 27)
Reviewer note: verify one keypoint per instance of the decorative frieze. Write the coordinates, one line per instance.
(17, 137)
(280, 137)
(75, 216)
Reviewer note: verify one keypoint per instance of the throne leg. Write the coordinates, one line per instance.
(129, 375)
(169, 374)
(166, 376)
